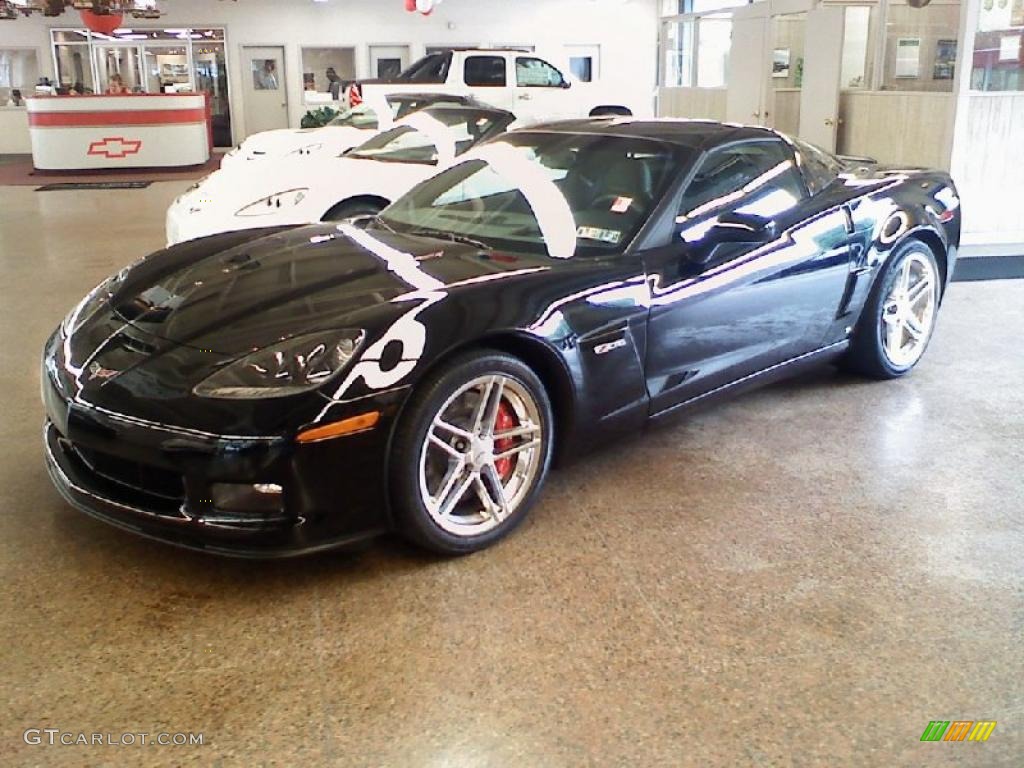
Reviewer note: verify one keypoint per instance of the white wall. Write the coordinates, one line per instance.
(626, 30)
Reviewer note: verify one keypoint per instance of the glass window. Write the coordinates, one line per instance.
(531, 72)
(714, 38)
(166, 68)
(19, 71)
(858, 58)
(328, 71)
(486, 71)
(998, 48)
(757, 177)
(679, 54)
(582, 68)
(430, 69)
(920, 45)
(74, 69)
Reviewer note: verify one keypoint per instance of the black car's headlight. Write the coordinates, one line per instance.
(92, 302)
(296, 365)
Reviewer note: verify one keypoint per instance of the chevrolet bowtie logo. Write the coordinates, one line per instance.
(115, 146)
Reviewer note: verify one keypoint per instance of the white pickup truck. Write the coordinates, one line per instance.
(524, 84)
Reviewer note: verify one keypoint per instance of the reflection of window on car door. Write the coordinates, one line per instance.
(723, 310)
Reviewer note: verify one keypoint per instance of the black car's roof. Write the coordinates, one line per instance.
(693, 134)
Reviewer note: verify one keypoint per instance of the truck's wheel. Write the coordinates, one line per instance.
(610, 110)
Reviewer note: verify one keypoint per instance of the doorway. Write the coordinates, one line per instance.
(786, 73)
(263, 88)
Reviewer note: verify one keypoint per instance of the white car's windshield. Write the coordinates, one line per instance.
(364, 117)
(554, 193)
(431, 133)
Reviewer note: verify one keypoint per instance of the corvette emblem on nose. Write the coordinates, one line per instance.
(97, 371)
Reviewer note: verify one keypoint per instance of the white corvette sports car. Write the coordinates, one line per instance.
(347, 130)
(303, 190)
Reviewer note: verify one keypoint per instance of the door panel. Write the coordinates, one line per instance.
(752, 304)
(823, 63)
(539, 94)
(263, 89)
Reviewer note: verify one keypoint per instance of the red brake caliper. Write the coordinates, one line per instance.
(505, 419)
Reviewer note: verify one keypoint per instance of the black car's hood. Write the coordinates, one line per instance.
(233, 293)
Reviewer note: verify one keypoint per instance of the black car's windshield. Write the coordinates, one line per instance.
(432, 134)
(559, 194)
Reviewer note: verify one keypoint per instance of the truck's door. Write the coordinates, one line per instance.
(541, 92)
(486, 77)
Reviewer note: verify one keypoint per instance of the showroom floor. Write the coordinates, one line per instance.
(803, 577)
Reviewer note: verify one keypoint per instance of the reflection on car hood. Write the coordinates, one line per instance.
(236, 292)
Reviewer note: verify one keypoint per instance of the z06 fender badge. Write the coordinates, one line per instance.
(603, 349)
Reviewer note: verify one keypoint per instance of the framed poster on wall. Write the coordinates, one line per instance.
(908, 57)
(780, 62)
(945, 60)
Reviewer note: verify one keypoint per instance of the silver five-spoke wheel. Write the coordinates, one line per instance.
(482, 452)
(908, 311)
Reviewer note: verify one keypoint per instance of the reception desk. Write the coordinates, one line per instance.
(131, 131)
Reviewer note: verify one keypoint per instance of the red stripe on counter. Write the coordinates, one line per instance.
(130, 117)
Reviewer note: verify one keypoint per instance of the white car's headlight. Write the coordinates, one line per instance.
(274, 203)
(299, 364)
(309, 149)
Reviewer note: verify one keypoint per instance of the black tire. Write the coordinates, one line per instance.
(350, 208)
(867, 355)
(414, 519)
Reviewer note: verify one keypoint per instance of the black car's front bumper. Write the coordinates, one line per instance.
(157, 481)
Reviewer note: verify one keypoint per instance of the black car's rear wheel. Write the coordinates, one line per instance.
(899, 315)
(471, 453)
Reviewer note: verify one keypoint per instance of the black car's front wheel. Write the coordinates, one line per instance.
(471, 453)
(899, 315)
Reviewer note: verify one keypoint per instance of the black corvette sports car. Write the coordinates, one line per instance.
(274, 392)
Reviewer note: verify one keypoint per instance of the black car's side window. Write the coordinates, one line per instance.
(819, 167)
(757, 177)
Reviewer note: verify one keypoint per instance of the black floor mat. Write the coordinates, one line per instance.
(988, 268)
(69, 186)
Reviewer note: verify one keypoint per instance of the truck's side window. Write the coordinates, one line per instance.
(537, 73)
(486, 71)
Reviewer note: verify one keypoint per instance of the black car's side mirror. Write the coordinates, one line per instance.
(730, 228)
(733, 227)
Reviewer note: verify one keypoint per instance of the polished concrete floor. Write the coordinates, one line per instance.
(803, 577)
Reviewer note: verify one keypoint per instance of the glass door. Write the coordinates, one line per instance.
(209, 63)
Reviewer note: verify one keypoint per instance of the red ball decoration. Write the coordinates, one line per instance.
(410, 5)
(104, 23)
